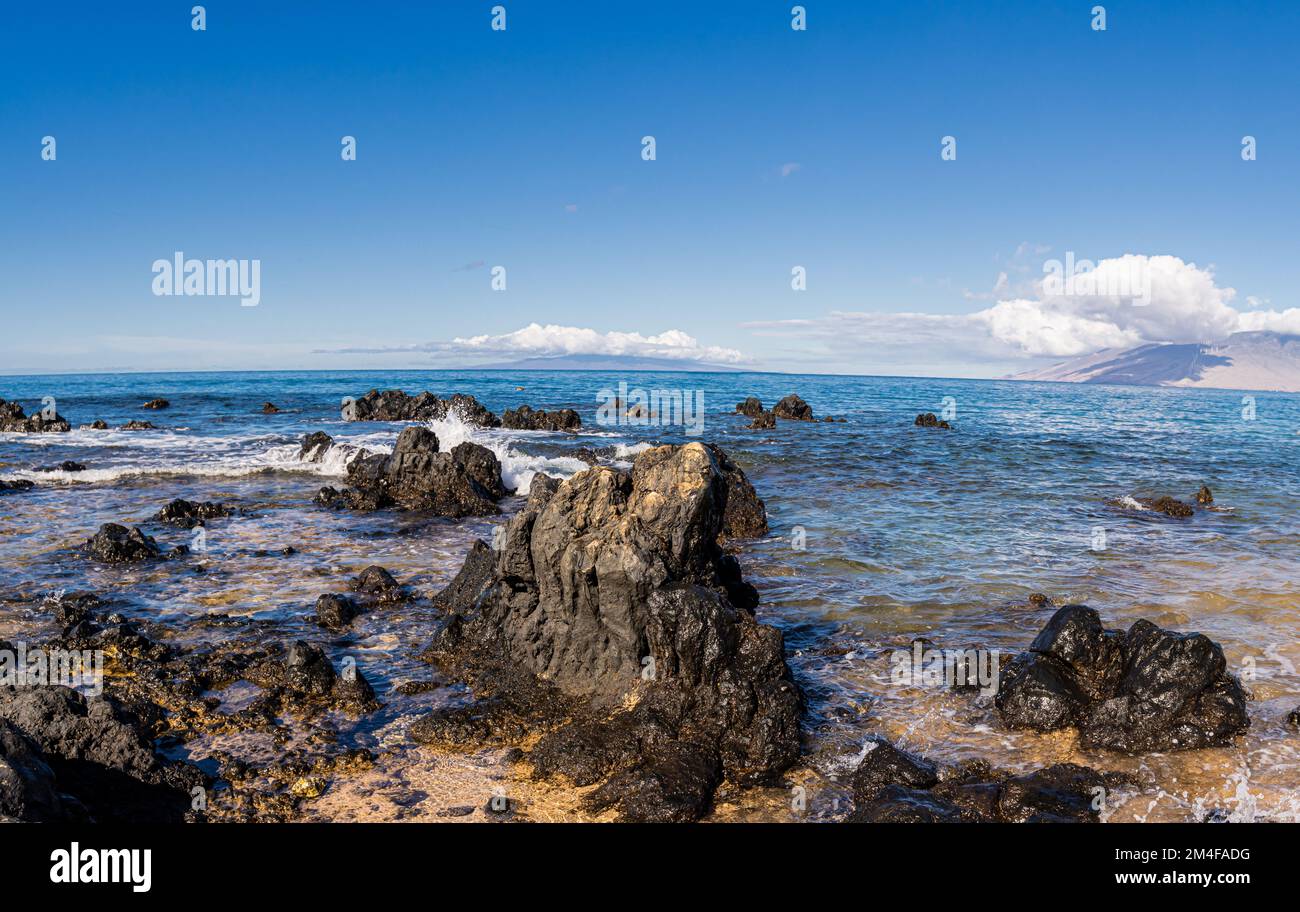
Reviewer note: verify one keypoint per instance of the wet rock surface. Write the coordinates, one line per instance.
(931, 420)
(611, 620)
(137, 425)
(396, 405)
(270, 408)
(418, 476)
(14, 419)
(1143, 690)
(114, 544)
(752, 407)
(188, 514)
(894, 786)
(793, 408)
(525, 418)
(68, 758)
(21, 484)
(156, 404)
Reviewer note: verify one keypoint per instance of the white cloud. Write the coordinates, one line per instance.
(536, 340)
(790, 168)
(1097, 310)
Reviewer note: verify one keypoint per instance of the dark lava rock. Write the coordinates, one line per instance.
(416, 476)
(1038, 600)
(314, 446)
(304, 677)
(395, 405)
(13, 418)
(188, 514)
(1293, 718)
(21, 484)
(525, 418)
(377, 583)
(744, 515)
(931, 420)
(893, 786)
(752, 407)
(114, 544)
(335, 612)
(270, 408)
(1145, 690)
(1169, 507)
(763, 421)
(65, 758)
(1204, 496)
(156, 404)
(136, 425)
(71, 608)
(99, 424)
(792, 408)
(611, 618)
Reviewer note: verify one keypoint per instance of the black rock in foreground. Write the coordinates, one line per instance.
(612, 619)
(1145, 690)
(114, 544)
(65, 758)
(13, 418)
(894, 786)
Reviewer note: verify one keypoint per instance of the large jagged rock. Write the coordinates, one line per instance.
(752, 407)
(894, 786)
(931, 420)
(114, 544)
(793, 408)
(526, 418)
(1145, 690)
(13, 418)
(395, 405)
(611, 606)
(744, 515)
(100, 760)
(417, 476)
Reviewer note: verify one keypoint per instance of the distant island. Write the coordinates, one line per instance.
(1245, 360)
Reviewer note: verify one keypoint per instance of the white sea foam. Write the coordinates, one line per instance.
(517, 469)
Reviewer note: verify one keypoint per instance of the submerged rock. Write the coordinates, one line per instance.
(270, 408)
(417, 476)
(114, 544)
(156, 404)
(931, 420)
(894, 786)
(14, 419)
(335, 612)
(793, 408)
(1168, 506)
(22, 484)
(137, 425)
(525, 418)
(395, 405)
(66, 466)
(752, 407)
(611, 607)
(1204, 497)
(1145, 690)
(99, 424)
(188, 514)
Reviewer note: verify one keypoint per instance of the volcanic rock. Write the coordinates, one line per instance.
(395, 405)
(1145, 690)
(114, 544)
(525, 418)
(12, 418)
(793, 408)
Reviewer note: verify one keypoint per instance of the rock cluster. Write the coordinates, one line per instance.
(14, 419)
(931, 420)
(395, 405)
(188, 514)
(612, 618)
(418, 476)
(526, 418)
(894, 786)
(1146, 689)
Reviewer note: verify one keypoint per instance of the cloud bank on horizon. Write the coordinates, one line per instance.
(1184, 303)
(536, 340)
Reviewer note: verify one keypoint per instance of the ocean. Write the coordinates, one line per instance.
(881, 533)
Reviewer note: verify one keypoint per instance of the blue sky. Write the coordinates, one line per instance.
(522, 148)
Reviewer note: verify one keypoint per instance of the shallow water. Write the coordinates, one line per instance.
(880, 533)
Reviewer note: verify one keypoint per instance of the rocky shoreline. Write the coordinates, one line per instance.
(606, 639)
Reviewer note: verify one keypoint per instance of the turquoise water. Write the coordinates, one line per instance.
(905, 532)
